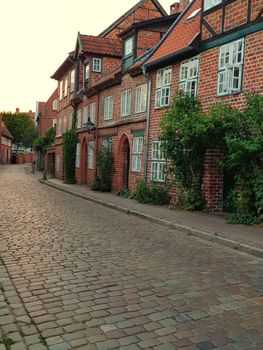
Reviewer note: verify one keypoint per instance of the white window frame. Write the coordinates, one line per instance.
(97, 65)
(158, 163)
(85, 115)
(54, 122)
(126, 103)
(59, 126)
(61, 90)
(91, 154)
(57, 163)
(66, 86)
(86, 71)
(128, 52)
(208, 4)
(163, 87)
(77, 164)
(55, 105)
(137, 148)
(79, 119)
(72, 80)
(93, 112)
(231, 61)
(189, 71)
(108, 107)
(65, 122)
(141, 98)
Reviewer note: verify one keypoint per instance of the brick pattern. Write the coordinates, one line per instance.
(214, 19)
(256, 7)
(236, 14)
(47, 114)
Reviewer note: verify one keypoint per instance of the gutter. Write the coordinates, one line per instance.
(149, 87)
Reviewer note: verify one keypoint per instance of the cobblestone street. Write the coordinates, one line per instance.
(75, 275)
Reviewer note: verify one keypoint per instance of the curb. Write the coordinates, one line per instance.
(208, 236)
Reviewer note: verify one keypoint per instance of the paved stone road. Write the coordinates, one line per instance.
(74, 275)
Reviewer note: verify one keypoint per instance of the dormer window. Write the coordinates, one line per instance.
(86, 71)
(96, 65)
(128, 52)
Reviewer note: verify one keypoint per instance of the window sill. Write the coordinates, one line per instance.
(229, 94)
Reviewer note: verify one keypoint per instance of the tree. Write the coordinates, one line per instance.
(41, 144)
(22, 129)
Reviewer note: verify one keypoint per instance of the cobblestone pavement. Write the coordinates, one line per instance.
(74, 275)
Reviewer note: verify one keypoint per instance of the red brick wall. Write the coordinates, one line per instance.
(47, 115)
(59, 173)
(146, 40)
(256, 6)
(252, 75)
(236, 14)
(145, 12)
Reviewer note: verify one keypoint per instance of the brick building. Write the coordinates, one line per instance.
(214, 50)
(30, 113)
(5, 144)
(121, 81)
(46, 114)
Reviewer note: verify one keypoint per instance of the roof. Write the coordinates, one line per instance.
(7, 133)
(100, 46)
(180, 36)
(64, 67)
(128, 13)
(108, 80)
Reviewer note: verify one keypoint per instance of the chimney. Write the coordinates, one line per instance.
(183, 4)
(17, 110)
(174, 8)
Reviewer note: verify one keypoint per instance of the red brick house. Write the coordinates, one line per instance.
(92, 80)
(6, 140)
(213, 50)
(46, 114)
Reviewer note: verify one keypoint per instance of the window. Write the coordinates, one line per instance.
(108, 108)
(72, 80)
(59, 126)
(107, 142)
(61, 90)
(126, 103)
(128, 52)
(90, 155)
(189, 75)
(141, 98)
(65, 122)
(158, 164)
(163, 87)
(54, 123)
(96, 67)
(86, 115)
(93, 112)
(57, 163)
(137, 154)
(55, 105)
(79, 117)
(78, 156)
(70, 121)
(211, 3)
(230, 68)
(86, 71)
(66, 86)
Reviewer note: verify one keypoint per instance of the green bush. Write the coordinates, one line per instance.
(70, 144)
(155, 194)
(142, 192)
(105, 161)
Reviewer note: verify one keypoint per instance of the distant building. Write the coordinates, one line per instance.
(6, 140)
(30, 113)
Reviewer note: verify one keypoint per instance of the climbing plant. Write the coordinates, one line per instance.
(69, 152)
(105, 161)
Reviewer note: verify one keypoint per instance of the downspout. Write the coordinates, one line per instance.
(148, 109)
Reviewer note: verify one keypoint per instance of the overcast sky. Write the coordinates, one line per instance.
(35, 37)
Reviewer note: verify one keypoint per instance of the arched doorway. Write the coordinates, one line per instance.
(83, 161)
(124, 163)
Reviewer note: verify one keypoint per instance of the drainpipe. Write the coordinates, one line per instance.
(148, 108)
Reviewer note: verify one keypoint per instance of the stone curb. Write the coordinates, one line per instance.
(208, 236)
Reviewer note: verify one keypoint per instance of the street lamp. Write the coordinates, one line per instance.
(89, 126)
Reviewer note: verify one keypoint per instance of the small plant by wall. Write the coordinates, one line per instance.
(105, 161)
(154, 194)
(69, 153)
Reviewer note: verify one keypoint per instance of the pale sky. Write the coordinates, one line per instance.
(35, 37)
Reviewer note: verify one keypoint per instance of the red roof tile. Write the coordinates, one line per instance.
(181, 35)
(101, 46)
